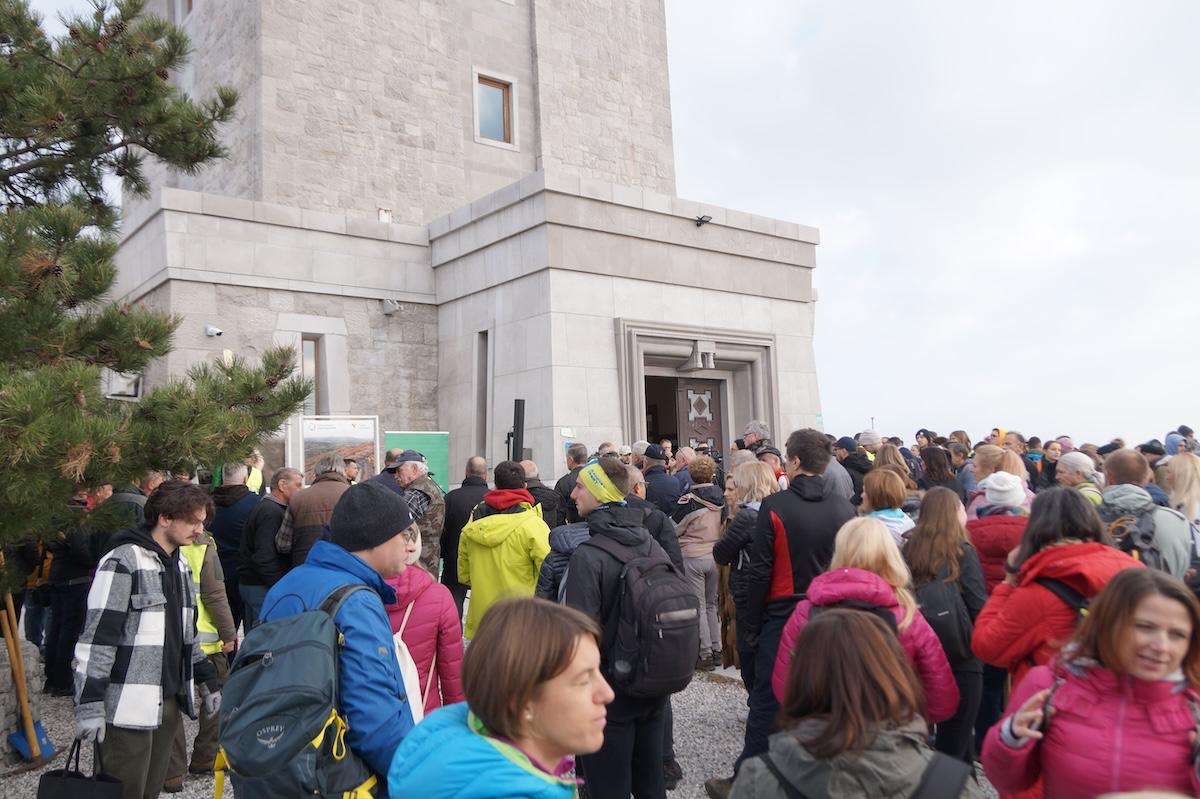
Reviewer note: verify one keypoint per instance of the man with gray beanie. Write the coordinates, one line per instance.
(366, 545)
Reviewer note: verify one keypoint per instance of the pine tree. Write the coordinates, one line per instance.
(95, 101)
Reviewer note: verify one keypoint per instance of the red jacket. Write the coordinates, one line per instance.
(433, 626)
(994, 537)
(1025, 625)
(1109, 733)
(918, 640)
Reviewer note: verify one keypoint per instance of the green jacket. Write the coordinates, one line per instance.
(889, 768)
(500, 553)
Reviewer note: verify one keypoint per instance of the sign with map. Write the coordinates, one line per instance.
(353, 437)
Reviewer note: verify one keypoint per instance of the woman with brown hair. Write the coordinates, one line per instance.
(938, 472)
(884, 496)
(852, 718)
(949, 585)
(1117, 712)
(535, 699)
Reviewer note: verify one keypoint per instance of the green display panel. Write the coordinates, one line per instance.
(434, 446)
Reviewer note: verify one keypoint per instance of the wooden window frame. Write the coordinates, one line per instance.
(511, 99)
(506, 91)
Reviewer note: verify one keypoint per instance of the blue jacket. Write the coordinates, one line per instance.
(448, 756)
(372, 690)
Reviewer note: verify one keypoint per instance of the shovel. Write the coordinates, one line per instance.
(31, 741)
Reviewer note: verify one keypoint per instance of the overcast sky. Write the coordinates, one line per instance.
(1007, 195)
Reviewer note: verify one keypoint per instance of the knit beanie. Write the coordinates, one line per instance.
(367, 515)
(1004, 489)
(869, 438)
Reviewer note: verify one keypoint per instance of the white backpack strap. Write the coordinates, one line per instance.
(404, 621)
(429, 681)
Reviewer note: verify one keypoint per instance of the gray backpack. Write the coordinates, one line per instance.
(282, 731)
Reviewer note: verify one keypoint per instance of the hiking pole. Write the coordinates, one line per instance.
(17, 665)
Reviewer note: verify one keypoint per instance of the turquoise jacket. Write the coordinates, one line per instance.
(449, 756)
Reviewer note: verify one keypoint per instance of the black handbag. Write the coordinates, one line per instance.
(71, 783)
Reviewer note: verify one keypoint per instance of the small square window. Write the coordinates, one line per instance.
(494, 108)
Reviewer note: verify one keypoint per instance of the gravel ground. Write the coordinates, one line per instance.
(708, 737)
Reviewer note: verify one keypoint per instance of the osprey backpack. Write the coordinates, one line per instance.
(282, 731)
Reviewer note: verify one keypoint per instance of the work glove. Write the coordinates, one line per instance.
(211, 699)
(90, 730)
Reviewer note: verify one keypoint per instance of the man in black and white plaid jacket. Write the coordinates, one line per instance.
(134, 661)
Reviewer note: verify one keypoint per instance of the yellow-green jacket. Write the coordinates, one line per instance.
(501, 551)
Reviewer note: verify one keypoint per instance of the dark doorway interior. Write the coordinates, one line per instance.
(662, 409)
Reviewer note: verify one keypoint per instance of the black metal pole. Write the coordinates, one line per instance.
(518, 443)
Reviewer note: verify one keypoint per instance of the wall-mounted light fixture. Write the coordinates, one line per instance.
(703, 220)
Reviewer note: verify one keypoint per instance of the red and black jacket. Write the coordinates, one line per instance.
(793, 543)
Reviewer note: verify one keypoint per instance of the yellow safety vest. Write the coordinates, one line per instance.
(206, 630)
(254, 479)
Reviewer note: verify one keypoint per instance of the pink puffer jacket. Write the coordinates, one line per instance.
(1109, 733)
(918, 640)
(433, 626)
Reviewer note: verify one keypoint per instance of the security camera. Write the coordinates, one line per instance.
(211, 331)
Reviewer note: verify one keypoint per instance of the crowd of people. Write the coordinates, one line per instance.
(898, 614)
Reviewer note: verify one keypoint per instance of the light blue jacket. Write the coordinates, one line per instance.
(449, 756)
(372, 690)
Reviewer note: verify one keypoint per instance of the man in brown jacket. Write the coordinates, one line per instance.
(309, 509)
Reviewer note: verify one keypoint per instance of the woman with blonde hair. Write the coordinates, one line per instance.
(1184, 471)
(1003, 461)
(868, 573)
(751, 483)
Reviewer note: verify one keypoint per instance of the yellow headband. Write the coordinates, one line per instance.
(596, 481)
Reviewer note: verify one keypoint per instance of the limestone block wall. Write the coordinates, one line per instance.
(369, 103)
(603, 91)
(375, 364)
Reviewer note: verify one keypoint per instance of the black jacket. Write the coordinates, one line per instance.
(233, 506)
(733, 550)
(76, 555)
(857, 464)
(954, 484)
(548, 498)
(662, 489)
(593, 578)
(258, 562)
(1048, 477)
(459, 504)
(567, 513)
(793, 543)
(661, 529)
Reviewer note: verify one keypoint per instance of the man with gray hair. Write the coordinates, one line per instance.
(638, 453)
(233, 501)
(259, 565)
(756, 435)
(310, 509)
(577, 456)
(425, 499)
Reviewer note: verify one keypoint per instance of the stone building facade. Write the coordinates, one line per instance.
(445, 273)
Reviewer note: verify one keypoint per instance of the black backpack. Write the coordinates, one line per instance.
(652, 636)
(1073, 599)
(1133, 534)
(943, 607)
(883, 614)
